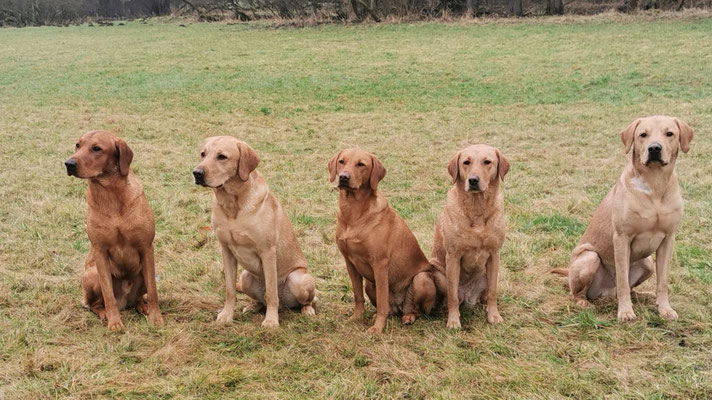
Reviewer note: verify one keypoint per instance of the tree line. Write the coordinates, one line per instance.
(62, 12)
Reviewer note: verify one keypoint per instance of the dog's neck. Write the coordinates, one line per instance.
(478, 206)
(115, 193)
(652, 180)
(237, 195)
(353, 204)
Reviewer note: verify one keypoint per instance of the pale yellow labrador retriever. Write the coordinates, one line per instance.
(470, 231)
(637, 217)
(253, 231)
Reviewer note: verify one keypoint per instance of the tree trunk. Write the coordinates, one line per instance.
(515, 7)
(554, 7)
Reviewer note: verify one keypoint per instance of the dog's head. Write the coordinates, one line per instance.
(477, 167)
(356, 169)
(656, 140)
(99, 153)
(223, 158)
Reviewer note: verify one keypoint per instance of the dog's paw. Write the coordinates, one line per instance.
(155, 318)
(142, 308)
(494, 318)
(252, 307)
(225, 317)
(270, 323)
(408, 319)
(453, 323)
(625, 315)
(115, 325)
(308, 310)
(356, 316)
(374, 330)
(583, 303)
(667, 313)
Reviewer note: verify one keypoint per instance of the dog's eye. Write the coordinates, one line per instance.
(76, 146)
(643, 134)
(96, 148)
(222, 157)
(360, 164)
(669, 134)
(466, 162)
(487, 162)
(341, 161)
(202, 154)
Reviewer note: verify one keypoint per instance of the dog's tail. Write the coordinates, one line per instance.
(560, 271)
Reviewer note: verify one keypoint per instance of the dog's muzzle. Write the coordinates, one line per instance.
(71, 166)
(473, 184)
(344, 180)
(655, 153)
(199, 175)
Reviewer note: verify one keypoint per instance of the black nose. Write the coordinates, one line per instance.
(474, 181)
(343, 178)
(71, 165)
(655, 148)
(199, 175)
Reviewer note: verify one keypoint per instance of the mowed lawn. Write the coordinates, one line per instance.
(552, 94)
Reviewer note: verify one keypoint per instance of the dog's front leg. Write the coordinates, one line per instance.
(149, 278)
(383, 307)
(269, 266)
(621, 249)
(230, 268)
(107, 290)
(662, 267)
(357, 287)
(452, 272)
(493, 316)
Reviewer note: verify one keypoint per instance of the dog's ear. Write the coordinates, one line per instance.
(248, 161)
(453, 167)
(686, 135)
(628, 134)
(502, 165)
(125, 155)
(332, 166)
(378, 171)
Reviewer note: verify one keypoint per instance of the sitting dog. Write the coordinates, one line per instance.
(253, 230)
(637, 217)
(120, 268)
(377, 244)
(470, 231)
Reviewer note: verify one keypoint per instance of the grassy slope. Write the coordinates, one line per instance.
(552, 96)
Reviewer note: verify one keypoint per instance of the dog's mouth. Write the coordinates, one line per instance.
(655, 160)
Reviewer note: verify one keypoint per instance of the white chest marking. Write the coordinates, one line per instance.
(640, 185)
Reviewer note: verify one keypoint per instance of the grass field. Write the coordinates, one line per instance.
(552, 94)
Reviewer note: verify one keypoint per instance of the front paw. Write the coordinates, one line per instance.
(155, 318)
(626, 314)
(270, 323)
(494, 317)
(453, 323)
(408, 319)
(357, 315)
(667, 313)
(375, 329)
(115, 324)
(225, 316)
(308, 310)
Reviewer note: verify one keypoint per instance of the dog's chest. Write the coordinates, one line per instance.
(242, 246)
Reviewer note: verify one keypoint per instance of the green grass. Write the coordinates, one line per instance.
(552, 94)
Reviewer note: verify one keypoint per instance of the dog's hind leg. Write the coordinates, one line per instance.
(582, 270)
(299, 291)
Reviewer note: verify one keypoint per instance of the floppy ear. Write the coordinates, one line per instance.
(628, 134)
(377, 172)
(248, 161)
(125, 155)
(502, 165)
(332, 166)
(454, 167)
(686, 135)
